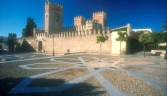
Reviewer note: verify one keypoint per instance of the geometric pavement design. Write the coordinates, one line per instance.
(81, 62)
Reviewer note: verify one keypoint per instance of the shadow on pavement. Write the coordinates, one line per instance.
(80, 89)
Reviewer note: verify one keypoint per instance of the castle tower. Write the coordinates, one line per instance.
(53, 17)
(101, 17)
(79, 21)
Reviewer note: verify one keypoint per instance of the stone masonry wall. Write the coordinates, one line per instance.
(86, 43)
(75, 42)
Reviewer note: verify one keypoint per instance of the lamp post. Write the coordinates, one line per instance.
(53, 45)
(166, 46)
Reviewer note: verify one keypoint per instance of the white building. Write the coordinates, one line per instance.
(116, 45)
(145, 30)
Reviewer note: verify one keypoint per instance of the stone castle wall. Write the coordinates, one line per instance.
(77, 41)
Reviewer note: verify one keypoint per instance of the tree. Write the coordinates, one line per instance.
(165, 34)
(28, 30)
(165, 26)
(101, 39)
(158, 37)
(11, 42)
(165, 29)
(136, 35)
(145, 39)
(121, 38)
(1, 39)
(133, 41)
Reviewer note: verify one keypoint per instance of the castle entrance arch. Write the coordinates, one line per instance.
(39, 46)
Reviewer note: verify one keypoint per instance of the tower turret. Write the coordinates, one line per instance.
(53, 17)
(79, 21)
(101, 17)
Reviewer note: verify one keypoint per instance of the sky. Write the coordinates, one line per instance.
(139, 13)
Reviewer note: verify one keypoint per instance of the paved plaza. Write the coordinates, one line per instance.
(32, 74)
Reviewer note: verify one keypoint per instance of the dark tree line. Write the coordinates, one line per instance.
(165, 29)
(1, 39)
(11, 42)
(156, 37)
(28, 30)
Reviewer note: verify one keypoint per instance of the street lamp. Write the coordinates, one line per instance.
(53, 45)
(166, 46)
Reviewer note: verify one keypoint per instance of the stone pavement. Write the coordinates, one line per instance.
(22, 56)
(83, 74)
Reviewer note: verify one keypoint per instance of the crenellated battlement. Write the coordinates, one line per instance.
(73, 33)
(101, 17)
(47, 2)
(81, 25)
(79, 17)
(99, 13)
(37, 31)
(89, 21)
(44, 34)
(57, 4)
(79, 21)
(80, 28)
(74, 28)
(65, 29)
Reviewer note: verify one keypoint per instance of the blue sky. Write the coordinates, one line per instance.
(139, 13)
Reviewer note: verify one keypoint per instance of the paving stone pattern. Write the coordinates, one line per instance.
(33, 74)
(57, 65)
(131, 85)
(160, 79)
(148, 70)
(60, 77)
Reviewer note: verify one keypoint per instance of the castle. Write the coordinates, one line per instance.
(54, 21)
(80, 38)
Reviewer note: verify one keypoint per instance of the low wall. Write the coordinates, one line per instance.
(158, 51)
